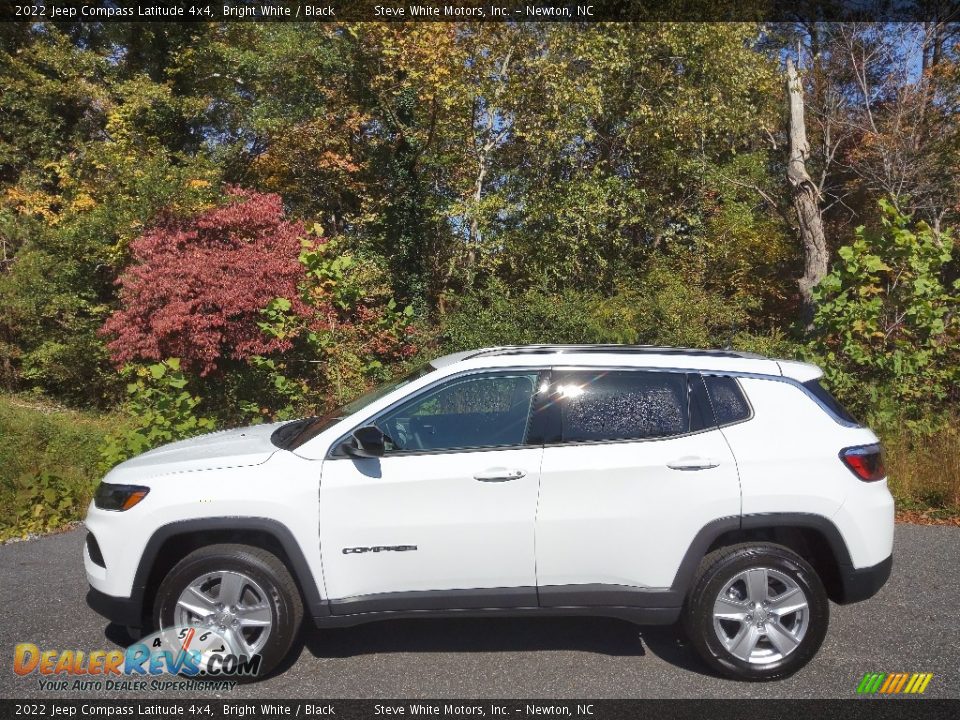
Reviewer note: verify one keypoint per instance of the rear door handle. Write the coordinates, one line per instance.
(498, 475)
(693, 463)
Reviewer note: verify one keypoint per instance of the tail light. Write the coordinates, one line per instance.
(865, 461)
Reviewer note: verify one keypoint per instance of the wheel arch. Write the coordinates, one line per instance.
(813, 537)
(172, 542)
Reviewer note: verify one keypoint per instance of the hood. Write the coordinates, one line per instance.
(225, 449)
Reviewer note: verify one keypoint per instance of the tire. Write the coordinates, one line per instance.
(264, 584)
(750, 643)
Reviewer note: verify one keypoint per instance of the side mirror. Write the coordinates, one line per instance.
(366, 442)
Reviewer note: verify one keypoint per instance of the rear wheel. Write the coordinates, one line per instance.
(757, 611)
(243, 593)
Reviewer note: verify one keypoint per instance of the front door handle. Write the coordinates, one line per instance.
(693, 463)
(498, 475)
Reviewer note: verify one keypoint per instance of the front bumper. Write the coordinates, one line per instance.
(861, 583)
(120, 610)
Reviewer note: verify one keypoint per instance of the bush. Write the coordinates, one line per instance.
(497, 317)
(197, 286)
(268, 320)
(161, 410)
(347, 333)
(887, 326)
(50, 459)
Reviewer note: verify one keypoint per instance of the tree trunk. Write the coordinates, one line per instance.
(806, 198)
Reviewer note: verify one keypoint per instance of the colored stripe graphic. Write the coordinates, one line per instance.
(894, 683)
(891, 680)
(922, 684)
(871, 682)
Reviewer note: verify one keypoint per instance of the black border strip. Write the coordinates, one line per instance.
(584, 11)
(874, 707)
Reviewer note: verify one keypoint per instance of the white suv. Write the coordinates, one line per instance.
(721, 489)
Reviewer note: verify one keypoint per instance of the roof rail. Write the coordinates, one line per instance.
(607, 349)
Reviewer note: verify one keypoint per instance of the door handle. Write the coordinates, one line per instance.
(498, 475)
(693, 463)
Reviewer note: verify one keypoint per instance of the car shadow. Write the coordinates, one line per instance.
(670, 645)
(119, 635)
(598, 635)
(605, 636)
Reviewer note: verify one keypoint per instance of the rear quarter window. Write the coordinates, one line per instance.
(727, 399)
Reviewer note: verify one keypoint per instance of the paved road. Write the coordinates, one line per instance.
(912, 625)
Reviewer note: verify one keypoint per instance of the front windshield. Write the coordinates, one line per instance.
(295, 434)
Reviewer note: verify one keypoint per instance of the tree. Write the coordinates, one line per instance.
(908, 142)
(611, 162)
(806, 197)
(90, 151)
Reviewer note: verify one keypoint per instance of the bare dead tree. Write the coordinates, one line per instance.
(805, 195)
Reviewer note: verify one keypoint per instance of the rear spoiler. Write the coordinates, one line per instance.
(799, 371)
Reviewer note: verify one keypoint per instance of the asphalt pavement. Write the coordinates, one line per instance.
(912, 625)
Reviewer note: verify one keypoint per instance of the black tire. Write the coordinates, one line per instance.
(721, 567)
(283, 595)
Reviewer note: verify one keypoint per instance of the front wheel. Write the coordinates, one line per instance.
(757, 611)
(244, 594)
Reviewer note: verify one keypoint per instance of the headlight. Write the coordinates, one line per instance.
(118, 497)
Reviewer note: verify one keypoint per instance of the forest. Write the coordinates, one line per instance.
(209, 225)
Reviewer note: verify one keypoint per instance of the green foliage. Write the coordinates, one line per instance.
(480, 183)
(356, 333)
(50, 459)
(161, 410)
(888, 330)
(278, 396)
(497, 317)
(90, 153)
(43, 502)
(672, 304)
(669, 305)
(621, 152)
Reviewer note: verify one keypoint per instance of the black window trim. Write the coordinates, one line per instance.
(795, 383)
(836, 409)
(739, 374)
(546, 373)
(333, 454)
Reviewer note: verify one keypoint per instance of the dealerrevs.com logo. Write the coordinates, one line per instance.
(894, 683)
(194, 653)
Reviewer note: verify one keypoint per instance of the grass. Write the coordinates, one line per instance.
(924, 473)
(49, 464)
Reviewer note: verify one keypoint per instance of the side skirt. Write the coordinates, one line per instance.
(643, 606)
(638, 616)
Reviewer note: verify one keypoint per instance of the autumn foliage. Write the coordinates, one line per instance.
(196, 287)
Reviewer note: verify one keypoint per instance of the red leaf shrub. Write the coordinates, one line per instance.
(197, 286)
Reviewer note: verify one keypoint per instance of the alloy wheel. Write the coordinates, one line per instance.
(231, 603)
(761, 615)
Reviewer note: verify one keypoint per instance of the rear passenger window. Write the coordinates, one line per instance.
(622, 405)
(727, 399)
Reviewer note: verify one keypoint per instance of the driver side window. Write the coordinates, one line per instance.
(477, 411)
